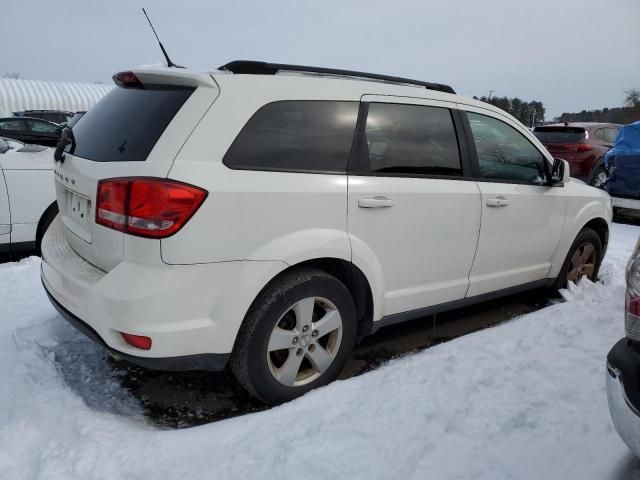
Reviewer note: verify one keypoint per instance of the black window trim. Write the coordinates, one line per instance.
(358, 160)
(293, 170)
(473, 154)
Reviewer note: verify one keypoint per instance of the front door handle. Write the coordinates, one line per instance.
(375, 202)
(497, 202)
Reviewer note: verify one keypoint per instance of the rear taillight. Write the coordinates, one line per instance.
(632, 310)
(146, 207)
(571, 147)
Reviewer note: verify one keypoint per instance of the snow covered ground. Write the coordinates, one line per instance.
(524, 400)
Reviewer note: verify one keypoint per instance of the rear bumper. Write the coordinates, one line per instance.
(205, 361)
(623, 393)
(192, 313)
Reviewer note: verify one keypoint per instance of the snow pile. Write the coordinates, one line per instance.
(522, 400)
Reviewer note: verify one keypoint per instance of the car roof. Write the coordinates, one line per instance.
(354, 86)
(45, 111)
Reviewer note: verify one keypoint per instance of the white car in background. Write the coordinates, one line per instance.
(27, 195)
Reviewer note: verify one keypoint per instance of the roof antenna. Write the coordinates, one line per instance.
(164, 52)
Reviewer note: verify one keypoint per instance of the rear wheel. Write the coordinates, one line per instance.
(583, 259)
(599, 178)
(297, 335)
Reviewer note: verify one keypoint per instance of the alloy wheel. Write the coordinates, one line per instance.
(582, 263)
(600, 180)
(304, 342)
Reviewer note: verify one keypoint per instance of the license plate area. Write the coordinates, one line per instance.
(78, 208)
(76, 214)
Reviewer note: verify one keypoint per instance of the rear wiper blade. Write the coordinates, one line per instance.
(66, 138)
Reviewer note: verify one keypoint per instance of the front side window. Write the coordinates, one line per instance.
(296, 136)
(411, 139)
(504, 153)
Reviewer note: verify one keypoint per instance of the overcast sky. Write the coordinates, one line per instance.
(569, 54)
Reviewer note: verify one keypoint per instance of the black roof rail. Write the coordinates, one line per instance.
(264, 68)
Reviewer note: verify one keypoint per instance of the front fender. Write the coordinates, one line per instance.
(579, 213)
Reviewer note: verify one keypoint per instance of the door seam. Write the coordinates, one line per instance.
(477, 242)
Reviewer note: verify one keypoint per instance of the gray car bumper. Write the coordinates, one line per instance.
(624, 416)
(623, 392)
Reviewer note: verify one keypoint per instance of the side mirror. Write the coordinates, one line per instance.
(559, 172)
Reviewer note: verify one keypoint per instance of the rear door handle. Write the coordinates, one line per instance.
(497, 202)
(375, 202)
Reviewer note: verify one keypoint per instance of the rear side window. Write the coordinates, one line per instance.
(411, 139)
(560, 134)
(296, 136)
(12, 125)
(42, 127)
(126, 123)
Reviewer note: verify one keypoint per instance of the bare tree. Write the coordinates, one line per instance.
(13, 75)
(632, 97)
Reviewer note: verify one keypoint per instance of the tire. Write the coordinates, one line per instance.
(281, 316)
(599, 178)
(585, 237)
(45, 221)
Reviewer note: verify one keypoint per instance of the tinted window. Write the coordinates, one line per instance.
(411, 139)
(560, 134)
(76, 117)
(42, 127)
(610, 134)
(600, 134)
(55, 117)
(296, 136)
(126, 123)
(11, 125)
(504, 153)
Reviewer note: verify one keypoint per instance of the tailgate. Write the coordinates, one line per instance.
(131, 132)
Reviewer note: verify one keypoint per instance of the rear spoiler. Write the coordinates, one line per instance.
(172, 76)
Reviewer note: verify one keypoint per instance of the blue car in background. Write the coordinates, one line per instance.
(623, 165)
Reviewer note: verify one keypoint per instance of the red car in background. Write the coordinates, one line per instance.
(583, 145)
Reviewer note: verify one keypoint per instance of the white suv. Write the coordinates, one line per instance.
(268, 216)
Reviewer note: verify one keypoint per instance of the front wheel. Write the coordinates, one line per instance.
(297, 335)
(583, 260)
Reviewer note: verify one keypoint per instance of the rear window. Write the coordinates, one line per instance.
(296, 136)
(560, 134)
(126, 124)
